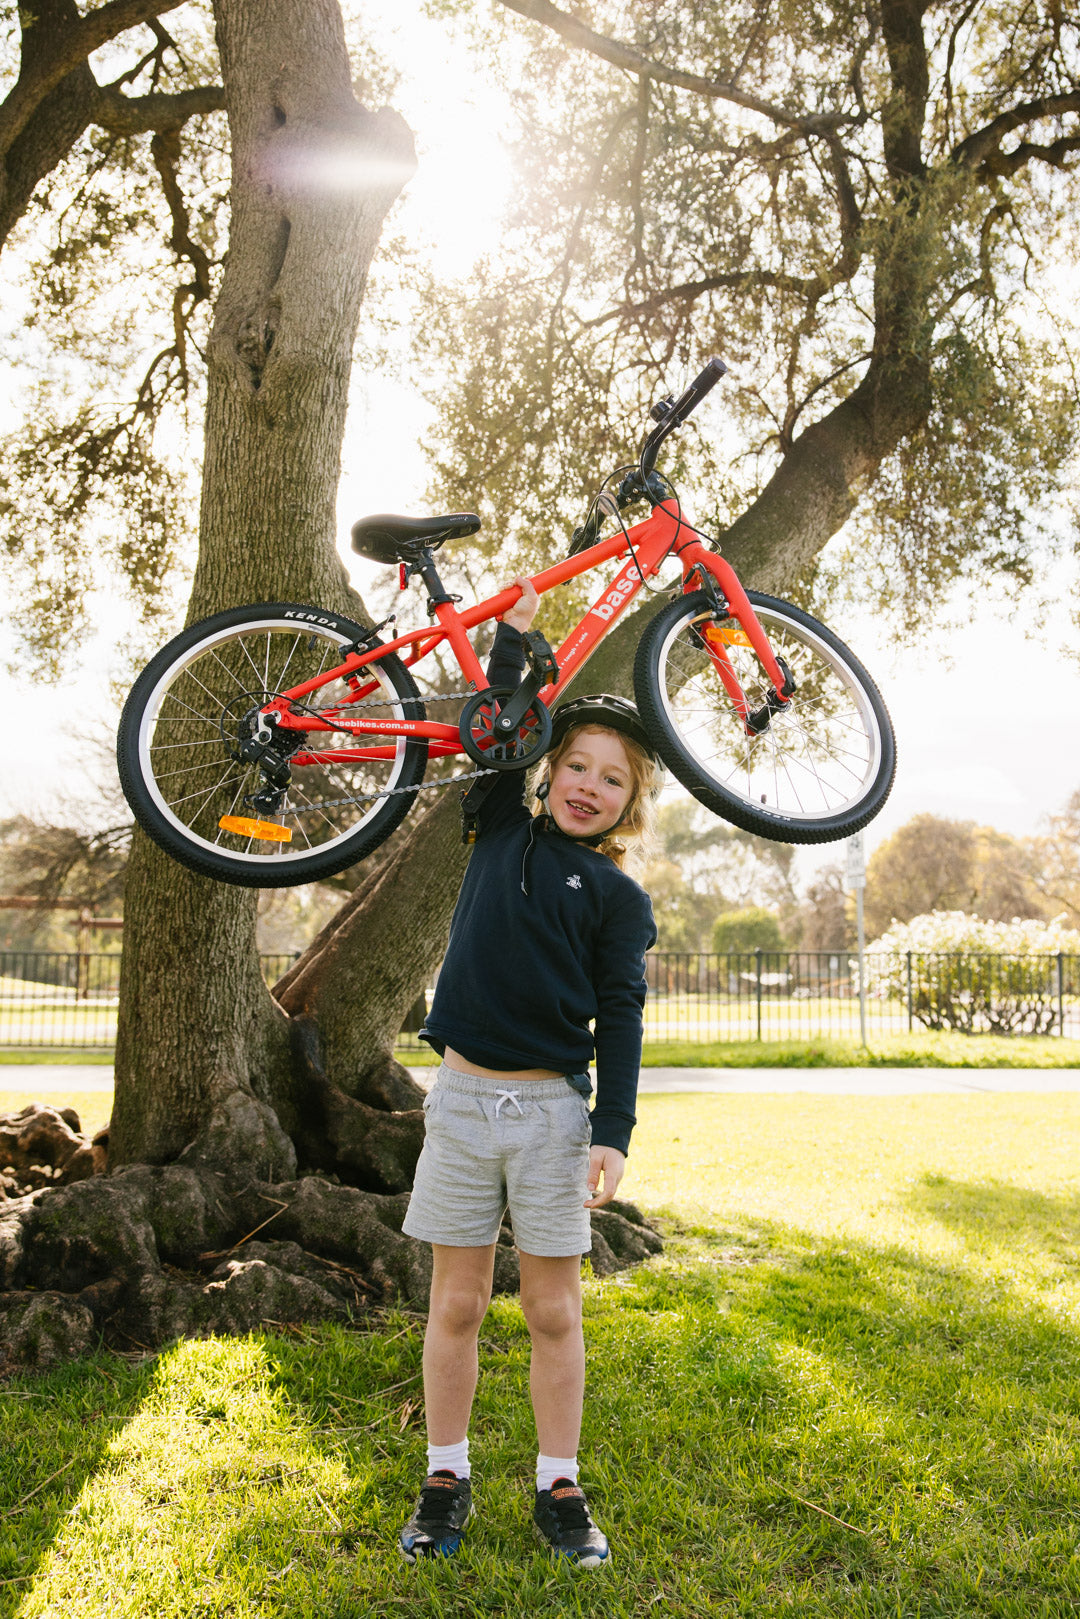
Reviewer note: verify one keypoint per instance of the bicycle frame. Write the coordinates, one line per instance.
(647, 544)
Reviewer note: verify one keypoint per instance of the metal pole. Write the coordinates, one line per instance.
(1061, 994)
(862, 963)
(757, 954)
(910, 1011)
(82, 964)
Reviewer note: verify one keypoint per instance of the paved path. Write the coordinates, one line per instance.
(49, 1078)
(858, 1081)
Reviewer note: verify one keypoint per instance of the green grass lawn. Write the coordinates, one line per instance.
(850, 1387)
(34, 1056)
(924, 1050)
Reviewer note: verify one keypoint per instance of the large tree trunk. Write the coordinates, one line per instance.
(203, 1050)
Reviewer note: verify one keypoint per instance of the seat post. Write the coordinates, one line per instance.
(438, 595)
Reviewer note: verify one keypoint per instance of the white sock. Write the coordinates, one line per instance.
(449, 1458)
(549, 1468)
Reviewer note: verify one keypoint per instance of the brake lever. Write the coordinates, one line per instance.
(633, 488)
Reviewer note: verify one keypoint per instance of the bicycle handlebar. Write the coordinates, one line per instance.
(638, 485)
(679, 411)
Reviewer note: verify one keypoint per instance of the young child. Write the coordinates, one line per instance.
(549, 934)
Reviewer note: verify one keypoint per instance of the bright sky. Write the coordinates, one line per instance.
(993, 738)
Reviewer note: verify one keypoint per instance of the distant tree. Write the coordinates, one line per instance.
(704, 867)
(752, 928)
(55, 860)
(824, 918)
(927, 865)
(1004, 877)
(684, 913)
(935, 864)
(1055, 863)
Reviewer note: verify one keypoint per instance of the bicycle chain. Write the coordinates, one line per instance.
(390, 792)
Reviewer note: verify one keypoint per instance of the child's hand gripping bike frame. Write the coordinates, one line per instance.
(278, 744)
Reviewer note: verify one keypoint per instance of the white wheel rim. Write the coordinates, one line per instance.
(801, 787)
(148, 724)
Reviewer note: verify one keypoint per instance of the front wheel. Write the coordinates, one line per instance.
(190, 713)
(820, 769)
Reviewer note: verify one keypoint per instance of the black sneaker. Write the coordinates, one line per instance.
(561, 1516)
(436, 1527)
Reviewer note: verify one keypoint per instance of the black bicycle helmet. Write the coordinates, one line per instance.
(602, 709)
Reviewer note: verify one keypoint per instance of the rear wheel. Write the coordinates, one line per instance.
(823, 765)
(191, 712)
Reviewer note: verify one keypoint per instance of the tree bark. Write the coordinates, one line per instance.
(203, 1052)
(358, 980)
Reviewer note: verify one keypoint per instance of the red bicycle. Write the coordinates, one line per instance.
(278, 744)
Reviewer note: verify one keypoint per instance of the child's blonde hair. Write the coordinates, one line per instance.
(638, 824)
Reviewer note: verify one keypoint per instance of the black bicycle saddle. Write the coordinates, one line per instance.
(387, 538)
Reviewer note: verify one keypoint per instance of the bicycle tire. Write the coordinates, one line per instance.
(344, 823)
(824, 765)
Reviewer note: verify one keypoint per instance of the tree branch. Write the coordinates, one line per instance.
(982, 150)
(135, 115)
(850, 218)
(632, 61)
(800, 286)
(904, 113)
(1007, 163)
(165, 148)
(75, 45)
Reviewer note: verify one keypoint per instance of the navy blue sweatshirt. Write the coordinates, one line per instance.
(548, 936)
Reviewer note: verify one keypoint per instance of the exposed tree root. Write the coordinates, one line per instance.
(44, 1146)
(155, 1252)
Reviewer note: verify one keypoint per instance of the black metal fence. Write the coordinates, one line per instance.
(58, 999)
(807, 995)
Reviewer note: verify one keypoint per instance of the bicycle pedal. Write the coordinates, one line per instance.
(540, 657)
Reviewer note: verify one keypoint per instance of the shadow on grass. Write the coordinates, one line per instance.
(1014, 1216)
(775, 1425)
(55, 1432)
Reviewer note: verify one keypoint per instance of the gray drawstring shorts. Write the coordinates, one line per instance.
(490, 1143)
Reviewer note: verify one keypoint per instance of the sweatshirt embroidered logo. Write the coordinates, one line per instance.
(574, 881)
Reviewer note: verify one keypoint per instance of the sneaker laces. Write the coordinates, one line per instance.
(437, 1499)
(569, 1505)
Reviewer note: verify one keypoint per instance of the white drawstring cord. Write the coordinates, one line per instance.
(507, 1096)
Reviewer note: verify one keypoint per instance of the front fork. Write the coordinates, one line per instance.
(713, 575)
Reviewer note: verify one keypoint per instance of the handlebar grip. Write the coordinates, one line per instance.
(701, 385)
(680, 410)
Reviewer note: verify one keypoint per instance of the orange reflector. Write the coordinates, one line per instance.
(245, 828)
(730, 637)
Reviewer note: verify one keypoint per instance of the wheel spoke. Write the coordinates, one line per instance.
(181, 719)
(199, 792)
(210, 764)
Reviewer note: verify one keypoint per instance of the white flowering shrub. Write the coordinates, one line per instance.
(977, 977)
